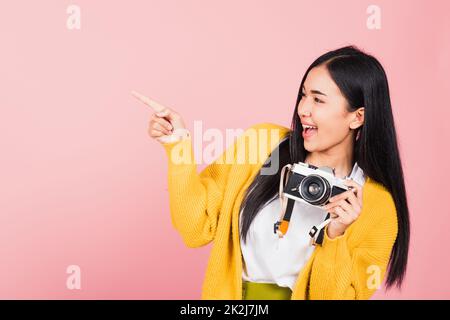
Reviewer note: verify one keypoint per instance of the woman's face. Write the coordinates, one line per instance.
(323, 106)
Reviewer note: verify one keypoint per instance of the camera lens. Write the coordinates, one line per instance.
(314, 189)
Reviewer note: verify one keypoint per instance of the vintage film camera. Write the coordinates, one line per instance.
(308, 184)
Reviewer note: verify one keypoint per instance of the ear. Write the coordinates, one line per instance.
(358, 120)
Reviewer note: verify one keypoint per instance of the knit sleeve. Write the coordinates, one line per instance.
(341, 271)
(195, 199)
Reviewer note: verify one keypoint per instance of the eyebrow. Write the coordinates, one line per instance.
(316, 92)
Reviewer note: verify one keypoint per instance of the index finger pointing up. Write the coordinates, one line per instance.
(151, 103)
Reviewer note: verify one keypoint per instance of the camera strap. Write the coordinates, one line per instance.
(287, 205)
(317, 233)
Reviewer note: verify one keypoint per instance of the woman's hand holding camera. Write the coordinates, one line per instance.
(344, 209)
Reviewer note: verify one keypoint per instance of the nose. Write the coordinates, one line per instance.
(304, 108)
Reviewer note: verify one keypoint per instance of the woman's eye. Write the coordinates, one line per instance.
(318, 100)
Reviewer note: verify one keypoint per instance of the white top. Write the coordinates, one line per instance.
(270, 259)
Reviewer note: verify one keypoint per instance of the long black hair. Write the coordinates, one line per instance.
(363, 82)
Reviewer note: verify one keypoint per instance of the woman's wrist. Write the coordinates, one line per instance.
(333, 232)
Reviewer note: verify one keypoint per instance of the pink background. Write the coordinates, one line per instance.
(82, 183)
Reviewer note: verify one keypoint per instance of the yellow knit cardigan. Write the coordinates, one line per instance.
(204, 207)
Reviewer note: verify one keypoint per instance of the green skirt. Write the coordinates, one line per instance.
(264, 291)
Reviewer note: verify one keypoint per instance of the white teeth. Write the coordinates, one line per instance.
(306, 126)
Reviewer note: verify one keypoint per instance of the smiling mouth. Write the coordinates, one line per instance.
(309, 131)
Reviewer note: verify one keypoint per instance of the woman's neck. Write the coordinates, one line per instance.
(341, 162)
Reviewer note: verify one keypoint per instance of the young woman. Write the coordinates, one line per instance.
(343, 120)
